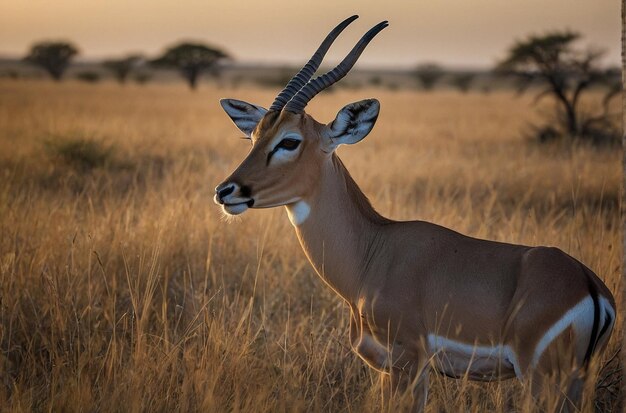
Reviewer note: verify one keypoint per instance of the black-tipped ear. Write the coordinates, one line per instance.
(352, 123)
(243, 114)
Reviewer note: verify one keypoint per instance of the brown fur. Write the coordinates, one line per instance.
(406, 280)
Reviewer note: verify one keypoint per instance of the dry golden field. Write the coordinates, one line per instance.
(123, 287)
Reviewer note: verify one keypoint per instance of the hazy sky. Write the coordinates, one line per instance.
(455, 32)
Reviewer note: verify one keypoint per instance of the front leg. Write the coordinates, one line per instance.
(363, 342)
(413, 376)
(401, 370)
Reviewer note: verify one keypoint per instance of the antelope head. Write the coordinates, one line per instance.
(289, 147)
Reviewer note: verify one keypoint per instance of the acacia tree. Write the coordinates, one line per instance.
(121, 68)
(191, 60)
(429, 74)
(562, 71)
(54, 57)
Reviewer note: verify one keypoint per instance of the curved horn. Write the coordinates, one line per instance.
(315, 86)
(307, 72)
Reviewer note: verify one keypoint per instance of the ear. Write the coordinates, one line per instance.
(245, 115)
(352, 123)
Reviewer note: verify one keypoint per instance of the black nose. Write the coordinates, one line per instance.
(223, 192)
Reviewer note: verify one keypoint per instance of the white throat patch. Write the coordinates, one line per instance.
(298, 212)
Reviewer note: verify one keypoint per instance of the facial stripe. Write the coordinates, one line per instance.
(269, 155)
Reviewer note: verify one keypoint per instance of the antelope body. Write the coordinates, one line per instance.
(421, 295)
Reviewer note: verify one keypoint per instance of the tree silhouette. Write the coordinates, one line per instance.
(429, 74)
(121, 68)
(88, 76)
(54, 57)
(463, 81)
(191, 60)
(562, 71)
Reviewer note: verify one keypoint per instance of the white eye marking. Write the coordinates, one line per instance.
(298, 212)
(284, 148)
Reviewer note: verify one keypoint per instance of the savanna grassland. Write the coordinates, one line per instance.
(124, 288)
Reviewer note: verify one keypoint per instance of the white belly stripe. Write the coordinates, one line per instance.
(498, 353)
(580, 317)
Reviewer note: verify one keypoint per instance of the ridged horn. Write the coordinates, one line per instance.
(315, 86)
(307, 72)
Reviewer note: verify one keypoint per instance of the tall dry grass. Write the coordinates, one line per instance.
(123, 288)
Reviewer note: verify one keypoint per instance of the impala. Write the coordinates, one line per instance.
(420, 295)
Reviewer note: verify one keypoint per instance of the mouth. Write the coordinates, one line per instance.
(234, 208)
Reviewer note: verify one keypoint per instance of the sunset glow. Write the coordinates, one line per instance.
(454, 32)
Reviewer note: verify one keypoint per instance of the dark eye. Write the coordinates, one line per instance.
(288, 144)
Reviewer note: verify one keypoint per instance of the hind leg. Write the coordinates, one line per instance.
(574, 395)
(557, 393)
(557, 381)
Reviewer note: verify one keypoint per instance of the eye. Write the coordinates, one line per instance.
(289, 144)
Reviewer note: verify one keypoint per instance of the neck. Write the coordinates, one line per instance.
(338, 229)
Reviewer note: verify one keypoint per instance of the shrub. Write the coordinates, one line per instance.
(88, 77)
(80, 153)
